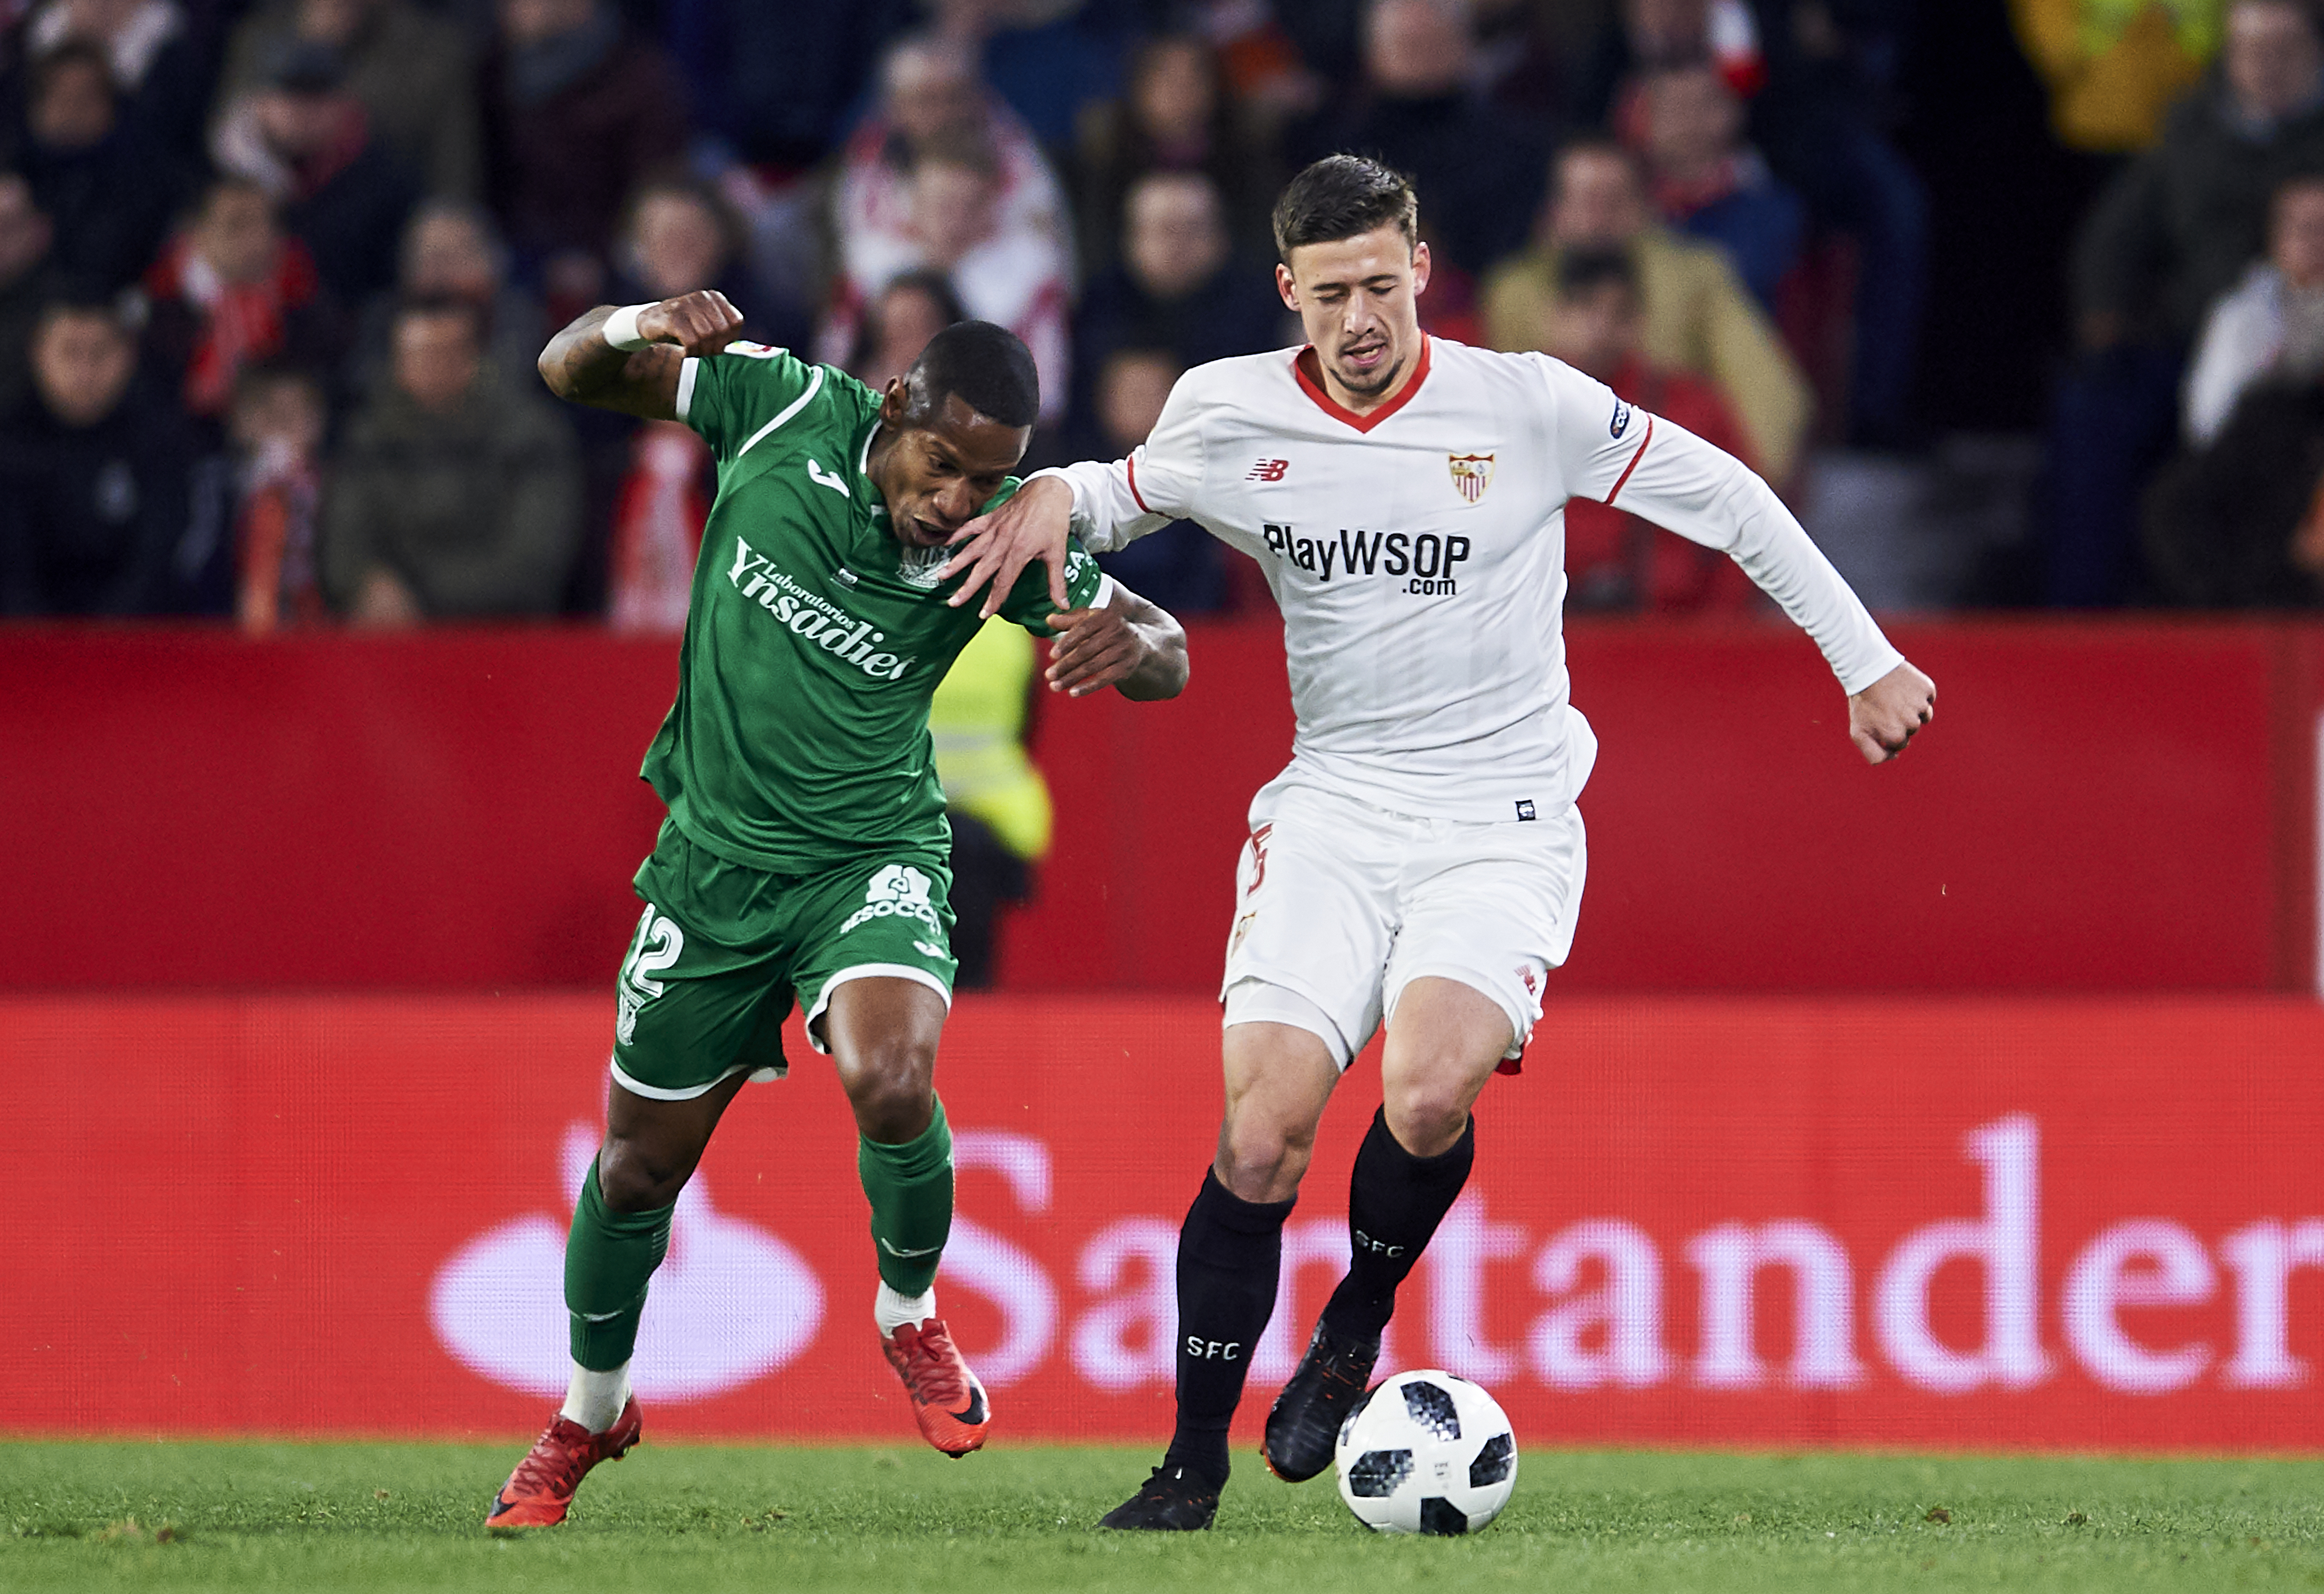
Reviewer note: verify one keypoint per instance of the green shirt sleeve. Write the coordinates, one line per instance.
(1028, 603)
(736, 397)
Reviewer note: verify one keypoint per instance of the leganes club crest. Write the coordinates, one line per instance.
(1471, 474)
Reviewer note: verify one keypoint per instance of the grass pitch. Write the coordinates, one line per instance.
(697, 1518)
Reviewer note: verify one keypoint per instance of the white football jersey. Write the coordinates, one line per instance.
(1417, 553)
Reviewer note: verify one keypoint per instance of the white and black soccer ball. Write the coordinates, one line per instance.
(1427, 1453)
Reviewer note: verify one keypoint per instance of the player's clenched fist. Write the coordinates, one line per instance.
(1891, 712)
(699, 323)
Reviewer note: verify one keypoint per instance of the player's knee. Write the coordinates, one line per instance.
(1262, 1158)
(1426, 1116)
(631, 1179)
(892, 1089)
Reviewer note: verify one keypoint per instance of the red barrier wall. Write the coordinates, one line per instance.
(2102, 806)
(1946, 1222)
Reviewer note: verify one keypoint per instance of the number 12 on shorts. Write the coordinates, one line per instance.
(652, 950)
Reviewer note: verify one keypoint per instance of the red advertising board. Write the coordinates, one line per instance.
(1962, 1223)
(2105, 805)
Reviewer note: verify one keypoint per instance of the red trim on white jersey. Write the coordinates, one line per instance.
(1340, 412)
(1131, 460)
(1627, 469)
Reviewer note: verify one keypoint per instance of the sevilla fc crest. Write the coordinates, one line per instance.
(1471, 474)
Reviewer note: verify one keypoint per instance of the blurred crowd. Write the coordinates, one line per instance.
(273, 272)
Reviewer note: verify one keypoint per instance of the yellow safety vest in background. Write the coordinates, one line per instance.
(978, 721)
(2114, 66)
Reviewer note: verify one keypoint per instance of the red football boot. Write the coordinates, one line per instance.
(540, 1491)
(946, 1398)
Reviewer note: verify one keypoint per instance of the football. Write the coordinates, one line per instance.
(1427, 1453)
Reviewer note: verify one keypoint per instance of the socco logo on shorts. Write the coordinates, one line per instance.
(897, 889)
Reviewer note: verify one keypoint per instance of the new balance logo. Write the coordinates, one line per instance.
(1268, 470)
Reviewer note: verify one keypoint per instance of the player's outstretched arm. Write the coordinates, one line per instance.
(995, 549)
(1891, 712)
(1136, 647)
(580, 364)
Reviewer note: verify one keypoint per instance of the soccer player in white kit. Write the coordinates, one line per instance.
(1421, 859)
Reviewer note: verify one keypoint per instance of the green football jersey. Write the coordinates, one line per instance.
(814, 637)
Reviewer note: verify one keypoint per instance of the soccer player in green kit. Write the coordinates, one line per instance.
(807, 850)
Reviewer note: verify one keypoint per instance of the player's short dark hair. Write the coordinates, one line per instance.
(1585, 271)
(986, 366)
(1345, 197)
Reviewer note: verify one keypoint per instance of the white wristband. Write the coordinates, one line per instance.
(621, 328)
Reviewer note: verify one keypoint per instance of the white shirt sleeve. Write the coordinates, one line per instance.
(1667, 475)
(1115, 504)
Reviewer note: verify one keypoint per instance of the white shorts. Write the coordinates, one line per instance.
(1339, 905)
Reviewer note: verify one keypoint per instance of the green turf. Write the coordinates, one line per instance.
(688, 1519)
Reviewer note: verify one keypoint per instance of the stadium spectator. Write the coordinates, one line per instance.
(1479, 166)
(646, 486)
(1179, 286)
(454, 496)
(1647, 34)
(776, 85)
(1181, 559)
(1697, 315)
(1816, 75)
(1822, 124)
(2272, 324)
(161, 69)
(413, 69)
(2238, 525)
(108, 190)
(579, 109)
(659, 512)
(2170, 234)
(95, 479)
(1175, 114)
(277, 431)
(231, 289)
(451, 250)
(911, 309)
(1046, 58)
(933, 104)
(28, 281)
(1529, 53)
(303, 136)
(2180, 225)
(1614, 560)
(959, 221)
(1710, 184)
(680, 235)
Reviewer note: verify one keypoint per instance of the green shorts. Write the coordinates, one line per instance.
(722, 947)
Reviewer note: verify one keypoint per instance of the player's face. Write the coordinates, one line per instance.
(1359, 300)
(938, 473)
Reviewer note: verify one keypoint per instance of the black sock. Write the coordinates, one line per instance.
(1230, 1251)
(1394, 1202)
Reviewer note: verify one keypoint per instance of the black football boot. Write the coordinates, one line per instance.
(1172, 1500)
(1325, 1390)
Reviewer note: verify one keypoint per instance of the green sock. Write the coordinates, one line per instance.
(608, 1259)
(910, 1190)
